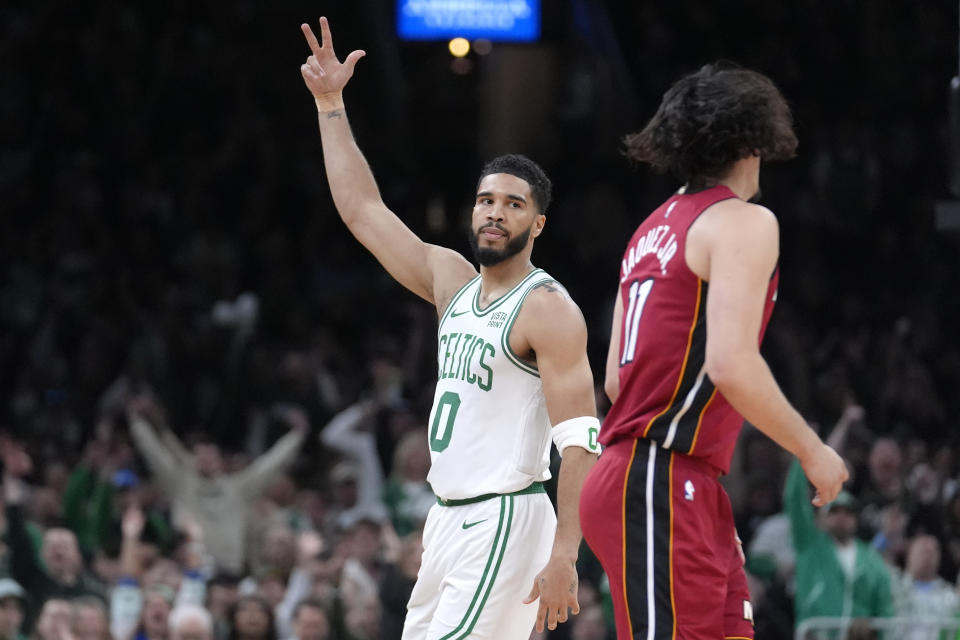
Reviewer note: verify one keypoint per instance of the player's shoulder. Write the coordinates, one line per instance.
(451, 272)
(450, 264)
(549, 306)
(547, 293)
(734, 212)
(733, 222)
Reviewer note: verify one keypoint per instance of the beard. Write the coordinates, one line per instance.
(487, 256)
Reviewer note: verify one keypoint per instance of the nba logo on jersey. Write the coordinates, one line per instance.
(688, 490)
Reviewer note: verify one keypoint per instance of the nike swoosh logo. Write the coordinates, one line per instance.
(454, 314)
(472, 524)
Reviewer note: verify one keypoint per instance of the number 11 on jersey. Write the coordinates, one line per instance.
(638, 293)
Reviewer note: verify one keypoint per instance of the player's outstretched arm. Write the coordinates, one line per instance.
(742, 244)
(431, 272)
(557, 334)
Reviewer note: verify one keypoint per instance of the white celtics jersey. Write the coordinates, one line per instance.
(489, 429)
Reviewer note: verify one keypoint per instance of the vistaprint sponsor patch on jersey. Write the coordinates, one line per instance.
(497, 320)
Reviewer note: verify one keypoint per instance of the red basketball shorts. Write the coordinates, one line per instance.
(662, 527)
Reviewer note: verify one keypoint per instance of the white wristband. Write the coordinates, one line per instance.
(577, 432)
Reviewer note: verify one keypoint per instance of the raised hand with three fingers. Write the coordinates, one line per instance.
(323, 73)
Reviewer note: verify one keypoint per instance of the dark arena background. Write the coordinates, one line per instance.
(170, 249)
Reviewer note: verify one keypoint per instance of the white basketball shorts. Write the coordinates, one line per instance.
(479, 562)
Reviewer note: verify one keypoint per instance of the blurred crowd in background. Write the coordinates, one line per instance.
(213, 402)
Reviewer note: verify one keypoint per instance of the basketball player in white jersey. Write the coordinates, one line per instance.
(512, 362)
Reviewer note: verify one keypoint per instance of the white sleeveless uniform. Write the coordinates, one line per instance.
(489, 438)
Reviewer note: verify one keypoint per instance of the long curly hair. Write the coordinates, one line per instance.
(710, 119)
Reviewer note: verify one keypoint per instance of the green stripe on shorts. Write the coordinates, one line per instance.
(496, 569)
(494, 554)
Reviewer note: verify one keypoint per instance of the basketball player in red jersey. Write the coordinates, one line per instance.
(697, 285)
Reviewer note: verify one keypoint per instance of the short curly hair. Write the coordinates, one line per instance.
(526, 169)
(710, 119)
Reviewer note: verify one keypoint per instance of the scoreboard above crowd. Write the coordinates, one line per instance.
(499, 20)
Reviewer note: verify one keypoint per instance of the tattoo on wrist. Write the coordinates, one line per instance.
(334, 114)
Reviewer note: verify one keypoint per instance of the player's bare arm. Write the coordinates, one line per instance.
(734, 246)
(433, 273)
(551, 329)
(611, 382)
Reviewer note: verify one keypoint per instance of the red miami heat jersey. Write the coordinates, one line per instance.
(665, 393)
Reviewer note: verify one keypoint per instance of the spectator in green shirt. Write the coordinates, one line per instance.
(59, 573)
(837, 575)
(406, 493)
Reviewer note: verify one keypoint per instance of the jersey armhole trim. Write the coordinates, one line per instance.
(453, 300)
(505, 336)
(686, 234)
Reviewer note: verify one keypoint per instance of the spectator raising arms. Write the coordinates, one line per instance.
(198, 486)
